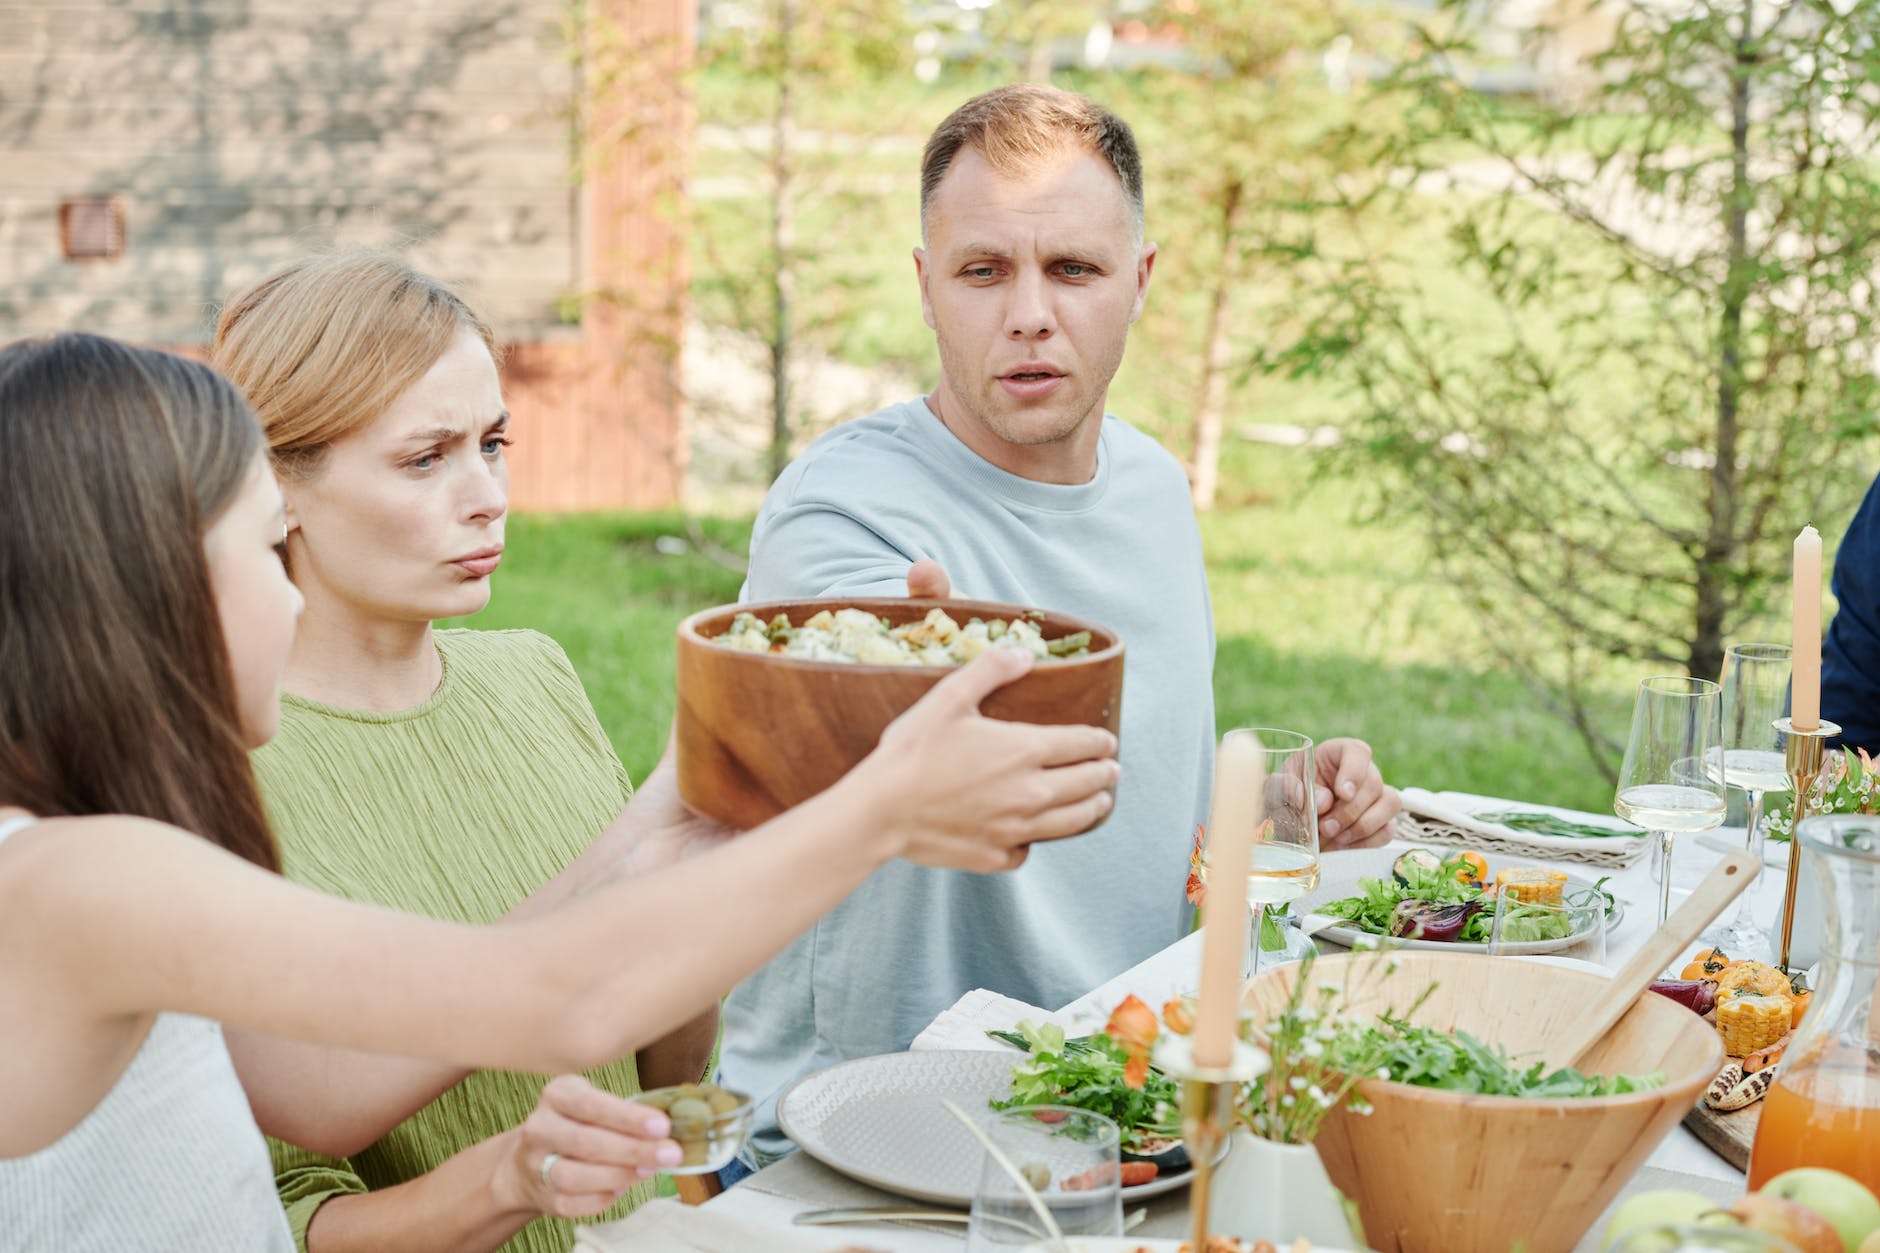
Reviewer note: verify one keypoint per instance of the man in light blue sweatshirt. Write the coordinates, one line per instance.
(1011, 477)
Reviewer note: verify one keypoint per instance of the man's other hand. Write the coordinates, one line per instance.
(926, 580)
(1355, 805)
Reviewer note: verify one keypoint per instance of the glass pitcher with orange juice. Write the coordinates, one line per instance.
(1824, 1107)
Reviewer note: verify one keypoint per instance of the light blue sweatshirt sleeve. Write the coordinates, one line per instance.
(815, 550)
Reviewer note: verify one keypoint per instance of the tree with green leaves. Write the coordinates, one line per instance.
(1239, 141)
(1031, 32)
(1613, 354)
(781, 52)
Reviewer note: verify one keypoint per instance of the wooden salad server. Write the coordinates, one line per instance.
(1720, 887)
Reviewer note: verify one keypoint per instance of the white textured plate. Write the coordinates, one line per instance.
(1339, 874)
(881, 1120)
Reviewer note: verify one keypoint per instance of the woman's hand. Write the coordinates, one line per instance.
(595, 1145)
(968, 792)
(664, 830)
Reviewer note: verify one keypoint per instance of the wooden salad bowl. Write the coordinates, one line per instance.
(1446, 1172)
(758, 733)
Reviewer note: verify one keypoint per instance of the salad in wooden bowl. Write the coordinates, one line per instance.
(778, 700)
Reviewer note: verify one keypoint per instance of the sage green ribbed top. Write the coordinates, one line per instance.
(457, 809)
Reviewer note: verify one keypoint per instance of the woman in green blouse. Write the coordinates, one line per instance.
(448, 773)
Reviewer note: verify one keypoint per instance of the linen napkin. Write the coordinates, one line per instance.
(1452, 809)
(963, 1024)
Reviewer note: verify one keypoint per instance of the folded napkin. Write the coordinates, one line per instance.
(1429, 812)
(963, 1024)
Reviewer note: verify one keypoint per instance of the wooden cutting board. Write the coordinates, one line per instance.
(1728, 1135)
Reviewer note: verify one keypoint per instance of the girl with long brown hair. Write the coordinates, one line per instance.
(145, 620)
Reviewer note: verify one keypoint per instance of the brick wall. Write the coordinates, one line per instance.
(238, 134)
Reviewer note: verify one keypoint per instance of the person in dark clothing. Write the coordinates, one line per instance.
(1850, 656)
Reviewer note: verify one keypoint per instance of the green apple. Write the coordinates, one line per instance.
(1844, 1202)
(1665, 1208)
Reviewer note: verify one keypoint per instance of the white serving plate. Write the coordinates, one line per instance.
(1338, 878)
(882, 1120)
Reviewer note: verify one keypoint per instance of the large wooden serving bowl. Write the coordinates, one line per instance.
(1443, 1172)
(758, 733)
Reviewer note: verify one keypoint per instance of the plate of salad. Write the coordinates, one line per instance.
(1442, 900)
(885, 1120)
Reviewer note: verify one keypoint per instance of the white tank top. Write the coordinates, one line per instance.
(169, 1160)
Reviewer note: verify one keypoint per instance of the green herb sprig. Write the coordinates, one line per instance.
(1536, 822)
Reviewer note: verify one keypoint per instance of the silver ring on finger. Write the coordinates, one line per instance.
(548, 1164)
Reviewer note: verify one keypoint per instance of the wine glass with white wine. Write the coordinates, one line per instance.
(1755, 692)
(1677, 726)
(1286, 854)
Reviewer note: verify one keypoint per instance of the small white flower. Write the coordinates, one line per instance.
(1307, 1013)
(1312, 1048)
(1318, 1094)
(1297, 1083)
(1383, 1072)
(1286, 1102)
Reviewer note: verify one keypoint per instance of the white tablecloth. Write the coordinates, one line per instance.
(758, 1213)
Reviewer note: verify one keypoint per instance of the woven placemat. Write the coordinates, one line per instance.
(1616, 853)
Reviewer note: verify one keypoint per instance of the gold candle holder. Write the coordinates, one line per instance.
(1207, 1113)
(1803, 757)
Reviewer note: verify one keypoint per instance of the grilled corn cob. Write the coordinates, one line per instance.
(1532, 885)
(1749, 1021)
(1750, 977)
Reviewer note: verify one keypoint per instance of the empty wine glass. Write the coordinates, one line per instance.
(1069, 1161)
(1286, 856)
(1755, 691)
(1677, 726)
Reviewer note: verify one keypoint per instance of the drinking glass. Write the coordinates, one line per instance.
(1677, 725)
(1700, 1238)
(1286, 856)
(1573, 926)
(1068, 1156)
(1752, 757)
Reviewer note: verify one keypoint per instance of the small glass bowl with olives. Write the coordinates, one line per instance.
(709, 1122)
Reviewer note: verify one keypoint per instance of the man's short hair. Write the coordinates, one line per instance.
(1014, 125)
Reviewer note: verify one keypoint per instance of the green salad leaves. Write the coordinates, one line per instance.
(1087, 1073)
(1371, 910)
(1456, 1061)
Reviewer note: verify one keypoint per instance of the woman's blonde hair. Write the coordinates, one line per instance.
(325, 346)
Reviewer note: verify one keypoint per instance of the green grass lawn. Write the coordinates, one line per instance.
(1324, 625)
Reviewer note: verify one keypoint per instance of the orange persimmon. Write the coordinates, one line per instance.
(1468, 866)
(1705, 965)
